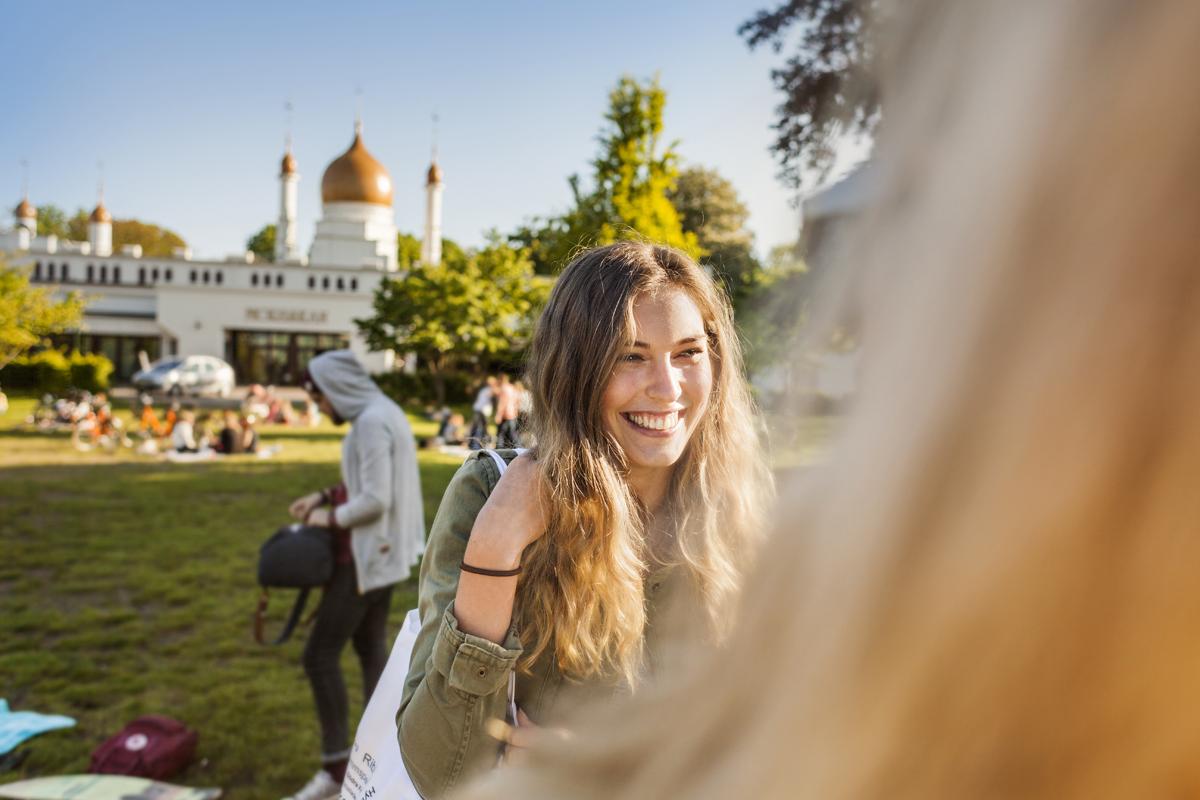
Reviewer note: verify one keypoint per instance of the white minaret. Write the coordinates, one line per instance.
(431, 245)
(27, 216)
(100, 228)
(285, 229)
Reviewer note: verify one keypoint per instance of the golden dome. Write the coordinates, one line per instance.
(356, 177)
(288, 167)
(100, 214)
(26, 209)
(435, 174)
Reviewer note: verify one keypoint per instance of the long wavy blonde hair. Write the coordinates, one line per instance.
(991, 589)
(581, 594)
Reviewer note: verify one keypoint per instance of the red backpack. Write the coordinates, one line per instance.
(149, 747)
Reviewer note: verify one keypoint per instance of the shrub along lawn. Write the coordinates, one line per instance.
(127, 587)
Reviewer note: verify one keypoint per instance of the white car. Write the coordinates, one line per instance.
(194, 375)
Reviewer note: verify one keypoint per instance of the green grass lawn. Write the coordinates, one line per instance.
(127, 587)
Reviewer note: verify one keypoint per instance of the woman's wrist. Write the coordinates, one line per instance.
(493, 552)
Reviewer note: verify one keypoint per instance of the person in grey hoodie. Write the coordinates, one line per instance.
(377, 518)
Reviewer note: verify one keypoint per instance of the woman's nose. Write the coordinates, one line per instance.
(664, 382)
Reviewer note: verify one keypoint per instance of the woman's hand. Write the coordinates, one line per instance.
(300, 507)
(524, 735)
(510, 520)
(320, 518)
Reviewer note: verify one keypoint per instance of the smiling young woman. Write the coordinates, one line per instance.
(626, 531)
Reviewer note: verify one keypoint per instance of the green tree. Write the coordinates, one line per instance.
(631, 177)
(262, 244)
(828, 83)
(156, 241)
(472, 305)
(52, 221)
(408, 250)
(77, 226)
(28, 314)
(709, 207)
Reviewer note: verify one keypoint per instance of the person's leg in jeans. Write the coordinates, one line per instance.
(339, 615)
(370, 639)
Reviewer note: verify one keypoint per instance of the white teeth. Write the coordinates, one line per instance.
(656, 423)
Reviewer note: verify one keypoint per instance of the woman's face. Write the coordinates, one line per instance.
(659, 390)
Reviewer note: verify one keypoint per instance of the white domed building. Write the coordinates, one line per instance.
(267, 319)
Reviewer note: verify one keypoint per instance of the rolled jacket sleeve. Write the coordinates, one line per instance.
(456, 681)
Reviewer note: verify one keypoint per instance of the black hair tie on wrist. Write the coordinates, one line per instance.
(490, 573)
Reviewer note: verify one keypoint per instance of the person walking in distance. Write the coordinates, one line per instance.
(379, 532)
(507, 408)
(482, 408)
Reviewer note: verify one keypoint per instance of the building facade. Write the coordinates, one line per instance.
(267, 319)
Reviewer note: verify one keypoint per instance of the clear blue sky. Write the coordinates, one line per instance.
(184, 105)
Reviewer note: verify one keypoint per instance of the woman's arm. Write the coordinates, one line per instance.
(458, 679)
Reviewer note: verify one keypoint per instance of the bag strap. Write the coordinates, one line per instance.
(260, 617)
(501, 464)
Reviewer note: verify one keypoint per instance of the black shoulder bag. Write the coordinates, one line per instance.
(296, 557)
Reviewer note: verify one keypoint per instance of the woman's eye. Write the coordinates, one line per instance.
(630, 358)
(691, 352)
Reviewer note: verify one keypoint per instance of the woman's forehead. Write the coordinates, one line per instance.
(666, 317)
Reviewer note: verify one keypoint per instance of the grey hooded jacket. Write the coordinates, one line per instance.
(383, 509)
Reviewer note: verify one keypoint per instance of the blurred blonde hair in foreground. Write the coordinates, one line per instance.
(993, 586)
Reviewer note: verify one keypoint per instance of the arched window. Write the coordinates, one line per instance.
(354, 284)
(192, 277)
(91, 273)
(154, 275)
(312, 282)
(220, 278)
(66, 272)
(279, 280)
(254, 279)
(141, 276)
(341, 284)
(116, 274)
(207, 277)
(49, 272)
(37, 270)
(170, 276)
(104, 273)
(325, 282)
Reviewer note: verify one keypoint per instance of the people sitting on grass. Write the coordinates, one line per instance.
(183, 435)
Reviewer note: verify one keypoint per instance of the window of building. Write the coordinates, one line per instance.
(354, 284)
(220, 278)
(116, 274)
(141, 276)
(341, 284)
(325, 282)
(91, 273)
(192, 277)
(104, 273)
(49, 272)
(279, 280)
(312, 282)
(254, 279)
(154, 274)
(170, 277)
(66, 272)
(37, 270)
(207, 276)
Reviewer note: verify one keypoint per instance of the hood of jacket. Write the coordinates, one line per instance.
(344, 382)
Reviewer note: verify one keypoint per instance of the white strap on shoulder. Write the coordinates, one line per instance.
(501, 464)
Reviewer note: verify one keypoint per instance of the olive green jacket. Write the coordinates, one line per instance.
(457, 681)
